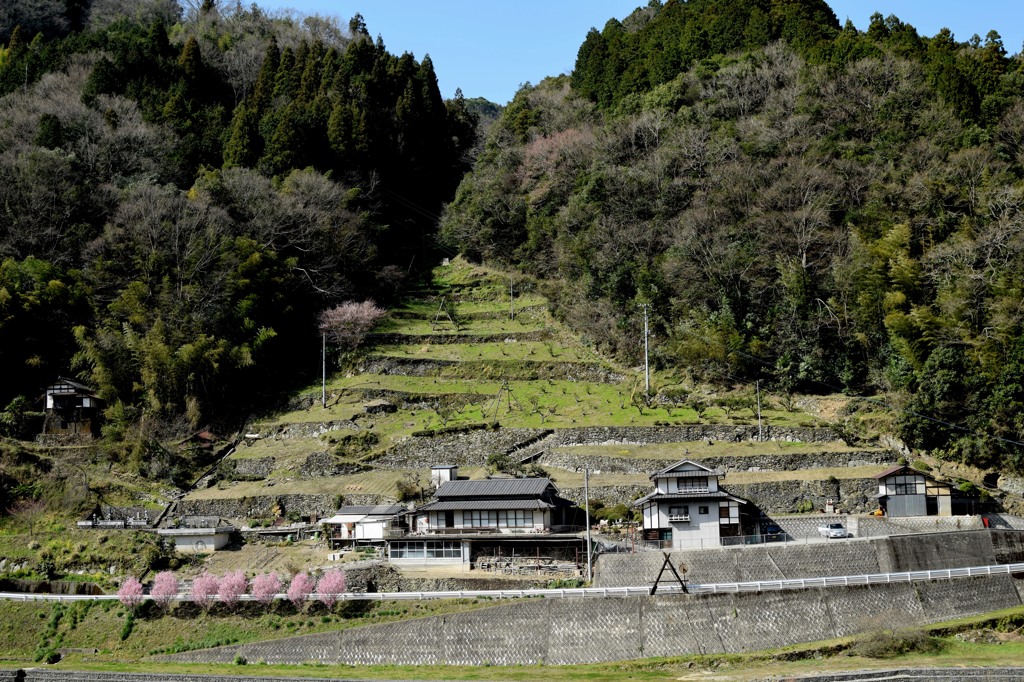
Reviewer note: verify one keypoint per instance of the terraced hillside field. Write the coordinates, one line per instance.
(463, 373)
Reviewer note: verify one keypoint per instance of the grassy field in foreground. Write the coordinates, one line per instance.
(790, 661)
(27, 628)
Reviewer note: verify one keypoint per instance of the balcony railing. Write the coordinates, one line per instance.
(679, 518)
(390, 533)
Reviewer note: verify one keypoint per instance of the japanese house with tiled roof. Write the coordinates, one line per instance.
(687, 508)
(473, 521)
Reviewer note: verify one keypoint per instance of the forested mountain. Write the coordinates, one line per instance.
(811, 206)
(183, 190)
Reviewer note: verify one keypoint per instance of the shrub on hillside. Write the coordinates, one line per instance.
(890, 643)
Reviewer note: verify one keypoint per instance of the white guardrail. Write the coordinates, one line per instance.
(691, 588)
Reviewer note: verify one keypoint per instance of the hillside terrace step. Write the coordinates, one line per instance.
(521, 370)
(448, 336)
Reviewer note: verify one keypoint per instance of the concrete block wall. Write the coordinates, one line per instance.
(933, 551)
(571, 631)
(774, 561)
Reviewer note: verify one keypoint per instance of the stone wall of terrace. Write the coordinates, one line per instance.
(824, 459)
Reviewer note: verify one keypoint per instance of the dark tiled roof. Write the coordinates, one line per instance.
(717, 495)
(494, 487)
(452, 505)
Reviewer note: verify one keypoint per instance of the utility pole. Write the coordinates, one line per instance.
(647, 364)
(586, 504)
(323, 375)
(757, 385)
(511, 301)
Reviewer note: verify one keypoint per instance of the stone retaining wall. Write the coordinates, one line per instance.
(324, 464)
(639, 435)
(472, 449)
(307, 429)
(567, 459)
(260, 506)
(576, 631)
(854, 495)
(463, 449)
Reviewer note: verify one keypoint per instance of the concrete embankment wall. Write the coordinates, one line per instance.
(571, 631)
(778, 561)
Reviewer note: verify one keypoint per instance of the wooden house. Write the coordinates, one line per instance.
(471, 522)
(688, 509)
(71, 409)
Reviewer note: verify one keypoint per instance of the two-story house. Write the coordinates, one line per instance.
(687, 508)
(487, 520)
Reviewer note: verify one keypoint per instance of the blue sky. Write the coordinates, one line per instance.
(490, 48)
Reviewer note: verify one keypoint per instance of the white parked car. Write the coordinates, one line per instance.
(832, 530)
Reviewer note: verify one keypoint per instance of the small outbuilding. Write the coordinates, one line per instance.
(360, 524)
(905, 491)
(71, 409)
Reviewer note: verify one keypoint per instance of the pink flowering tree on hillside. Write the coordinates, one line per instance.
(165, 588)
(205, 589)
(130, 593)
(347, 325)
(300, 589)
(265, 587)
(232, 586)
(330, 587)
